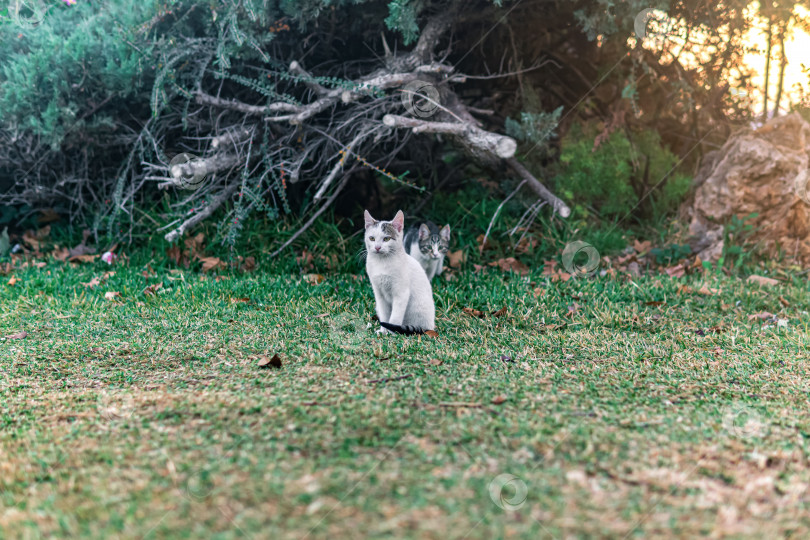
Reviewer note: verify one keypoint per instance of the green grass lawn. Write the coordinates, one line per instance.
(603, 407)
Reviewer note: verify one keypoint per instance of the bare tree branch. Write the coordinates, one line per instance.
(470, 135)
(255, 110)
(215, 203)
(312, 219)
(559, 206)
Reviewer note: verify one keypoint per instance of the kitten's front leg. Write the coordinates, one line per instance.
(382, 307)
(398, 308)
(440, 266)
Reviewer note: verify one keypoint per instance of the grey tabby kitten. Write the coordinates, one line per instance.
(427, 244)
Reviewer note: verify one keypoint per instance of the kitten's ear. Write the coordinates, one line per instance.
(369, 220)
(445, 233)
(424, 231)
(399, 221)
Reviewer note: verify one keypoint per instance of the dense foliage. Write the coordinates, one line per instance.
(97, 97)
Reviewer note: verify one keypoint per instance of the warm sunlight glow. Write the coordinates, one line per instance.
(666, 34)
(796, 50)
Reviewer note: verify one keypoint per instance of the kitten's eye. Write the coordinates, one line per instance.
(371, 238)
(386, 239)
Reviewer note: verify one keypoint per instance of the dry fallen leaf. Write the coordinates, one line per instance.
(274, 362)
(95, 282)
(82, 248)
(481, 244)
(435, 362)
(305, 259)
(456, 258)
(431, 333)
(510, 263)
(30, 239)
(177, 255)
(497, 400)
(527, 243)
(561, 276)
(762, 280)
(47, 216)
(152, 290)
(675, 271)
(248, 264)
(83, 258)
(314, 279)
(111, 295)
(707, 291)
(211, 263)
(194, 243)
(500, 313)
(13, 280)
(21, 335)
(642, 247)
(538, 292)
(61, 254)
(473, 312)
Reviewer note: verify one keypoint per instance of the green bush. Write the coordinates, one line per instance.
(623, 174)
(79, 56)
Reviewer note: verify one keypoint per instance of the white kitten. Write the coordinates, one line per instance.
(402, 290)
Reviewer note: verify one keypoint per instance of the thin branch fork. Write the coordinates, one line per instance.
(215, 203)
(315, 216)
(338, 166)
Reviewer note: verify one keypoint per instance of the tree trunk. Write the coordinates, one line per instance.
(767, 70)
(782, 64)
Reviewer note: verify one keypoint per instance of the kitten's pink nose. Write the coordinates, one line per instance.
(377, 248)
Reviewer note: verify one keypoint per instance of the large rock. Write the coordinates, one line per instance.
(762, 171)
